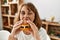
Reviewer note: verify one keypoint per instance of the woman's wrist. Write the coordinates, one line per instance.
(12, 35)
(13, 32)
(37, 36)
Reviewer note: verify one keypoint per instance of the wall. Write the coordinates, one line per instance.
(47, 8)
(0, 17)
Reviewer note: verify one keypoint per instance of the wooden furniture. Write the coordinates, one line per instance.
(53, 29)
(9, 9)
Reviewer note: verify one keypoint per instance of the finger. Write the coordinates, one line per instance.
(28, 21)
(33, 26)
(17, 27)
(18, 23)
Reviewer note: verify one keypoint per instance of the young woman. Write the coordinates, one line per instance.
(27, 14)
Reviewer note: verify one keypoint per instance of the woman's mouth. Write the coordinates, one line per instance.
(25, 20)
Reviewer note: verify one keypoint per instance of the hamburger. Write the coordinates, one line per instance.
(25, 27)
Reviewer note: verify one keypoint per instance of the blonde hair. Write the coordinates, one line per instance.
(37, 20)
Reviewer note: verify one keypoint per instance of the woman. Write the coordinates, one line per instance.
(27, 14)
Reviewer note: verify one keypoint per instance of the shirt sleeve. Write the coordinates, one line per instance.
(43, 34)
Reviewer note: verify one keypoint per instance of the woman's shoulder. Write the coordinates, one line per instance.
(42, 30)
(43, 34)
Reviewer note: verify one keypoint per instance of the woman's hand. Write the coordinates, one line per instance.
(16, 27)
(34, 30)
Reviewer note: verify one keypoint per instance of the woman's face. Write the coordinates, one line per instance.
(27, 14)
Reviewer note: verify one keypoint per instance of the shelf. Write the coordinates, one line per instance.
(14, 9)
(5, 21)
(11, 20)
(51, 23)
(4, 1)
(44, 22)
(7, 27)
(5, 5)
(8, 10)
(5, 15)
(12, 16)
(56, 24)
(55, 37)
(13, 2)
(53, 27)
(5, 10)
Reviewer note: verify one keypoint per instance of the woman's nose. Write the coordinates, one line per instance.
(26, 17)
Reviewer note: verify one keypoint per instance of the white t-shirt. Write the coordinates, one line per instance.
(42, 32)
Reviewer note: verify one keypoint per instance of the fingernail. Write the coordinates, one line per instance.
(27, 21)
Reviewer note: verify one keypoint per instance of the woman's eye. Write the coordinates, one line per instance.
(23, 13)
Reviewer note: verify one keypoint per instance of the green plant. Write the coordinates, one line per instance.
(5, 1)
(52, 32)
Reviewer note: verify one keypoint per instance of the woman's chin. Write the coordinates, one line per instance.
(27, 32)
